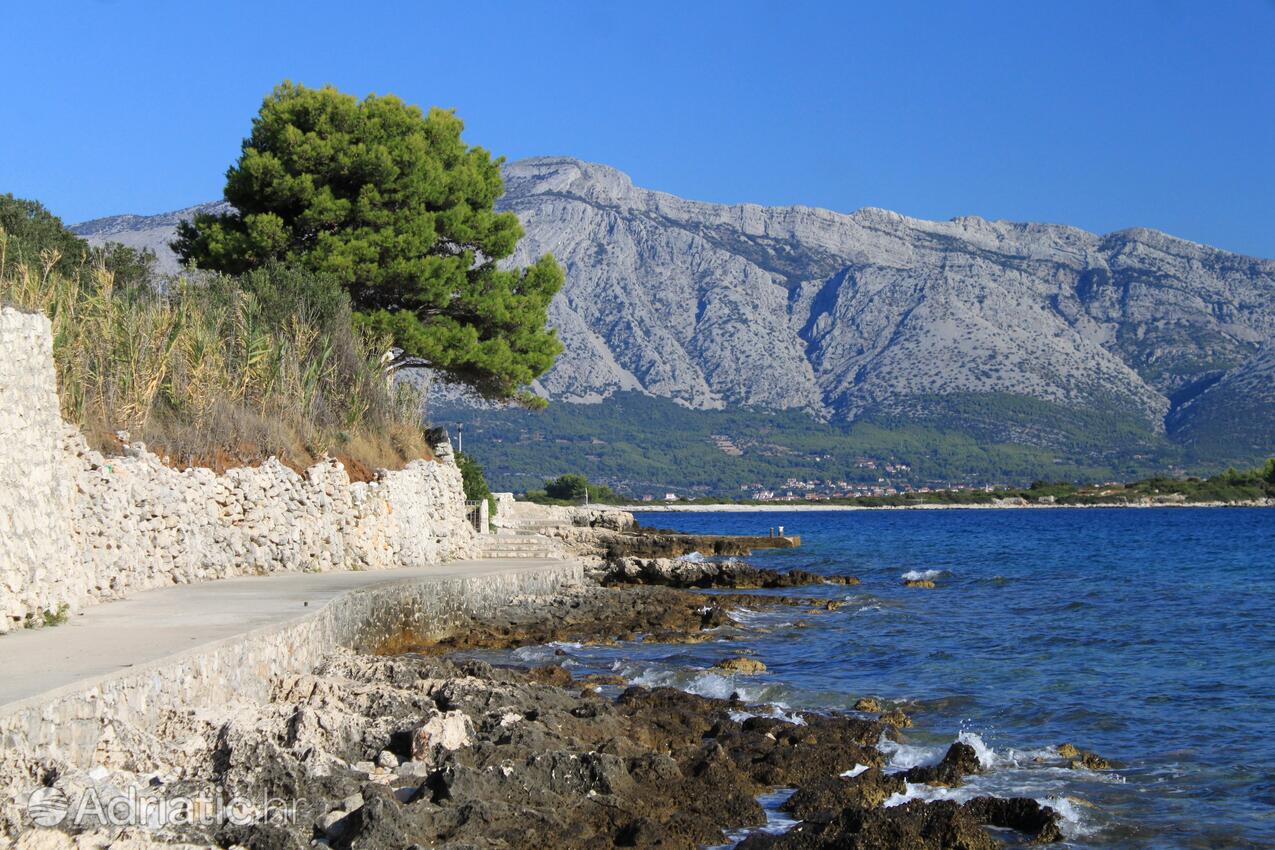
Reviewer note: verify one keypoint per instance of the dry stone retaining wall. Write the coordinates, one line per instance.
(37, 562)
(77, 527)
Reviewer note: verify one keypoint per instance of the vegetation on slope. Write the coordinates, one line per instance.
(213, 370)
(641, 445)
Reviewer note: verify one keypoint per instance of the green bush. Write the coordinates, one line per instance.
(571, 487)
(474, 480)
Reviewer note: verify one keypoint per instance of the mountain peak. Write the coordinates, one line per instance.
(564, 175)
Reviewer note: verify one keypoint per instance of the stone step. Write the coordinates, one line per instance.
(516, 545)
(529, 524)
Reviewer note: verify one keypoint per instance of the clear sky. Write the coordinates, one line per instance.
(1099, 114)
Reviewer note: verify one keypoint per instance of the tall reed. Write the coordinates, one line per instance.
(206, 373)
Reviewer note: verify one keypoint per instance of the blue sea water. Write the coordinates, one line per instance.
(1145, 635)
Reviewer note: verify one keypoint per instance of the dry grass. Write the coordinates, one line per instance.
(205, 377)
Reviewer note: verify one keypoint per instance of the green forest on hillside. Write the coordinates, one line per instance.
(641, 445)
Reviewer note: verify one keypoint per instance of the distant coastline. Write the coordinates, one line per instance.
(795, 507)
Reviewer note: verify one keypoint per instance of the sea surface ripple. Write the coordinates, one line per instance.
(1145, 635)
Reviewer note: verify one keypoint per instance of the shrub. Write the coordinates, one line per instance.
(474, 480)
(572, 488)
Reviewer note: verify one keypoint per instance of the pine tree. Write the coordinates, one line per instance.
(400, 209)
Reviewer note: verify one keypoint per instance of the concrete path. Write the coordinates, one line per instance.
(154, 624)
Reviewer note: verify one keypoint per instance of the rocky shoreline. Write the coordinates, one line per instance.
(414, 743)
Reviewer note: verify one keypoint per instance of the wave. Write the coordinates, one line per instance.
(922, 575)
(1016, 773)
(986, 755)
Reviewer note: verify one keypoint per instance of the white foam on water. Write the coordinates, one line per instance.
(922, 575)
(749, 617)
(1027, 758)
(1075, 820)
(704, 683)
(777, 822)
(779, 711)
(713, 685)
(855, 771)
(986, 755)
(534, 654)
(903, 756)
(1015, 774)
(692, 557)
(929, 793)
(653, 677)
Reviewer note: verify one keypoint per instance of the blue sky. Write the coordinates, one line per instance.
(1099, 114)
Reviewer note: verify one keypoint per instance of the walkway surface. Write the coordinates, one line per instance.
(153, 624)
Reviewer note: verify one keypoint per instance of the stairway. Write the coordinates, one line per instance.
(516, 544)
(524, 525)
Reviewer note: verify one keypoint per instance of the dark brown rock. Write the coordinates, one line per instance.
(1019, 813)
(959, 761)
(915, 825)
(824, 797)
(896, 718)
(1078, 758)
(550, 674)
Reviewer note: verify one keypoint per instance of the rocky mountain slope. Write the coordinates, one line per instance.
(146, 231)
(1020, 331)
(1234, 417)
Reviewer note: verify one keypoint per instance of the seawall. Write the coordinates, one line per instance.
(99, 720)
(77, 527)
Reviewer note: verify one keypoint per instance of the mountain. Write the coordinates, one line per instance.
(1231, 419)
(146, 231)
(1096, 349)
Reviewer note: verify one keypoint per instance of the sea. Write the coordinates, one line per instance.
(1145, 635)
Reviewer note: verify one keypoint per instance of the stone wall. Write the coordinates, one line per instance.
(77, 527)
(83, 724)
(517, 515)
(37, 557)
